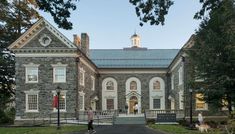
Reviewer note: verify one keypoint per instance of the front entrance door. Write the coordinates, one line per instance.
(132, 102)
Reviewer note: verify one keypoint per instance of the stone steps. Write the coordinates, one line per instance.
(130, 120)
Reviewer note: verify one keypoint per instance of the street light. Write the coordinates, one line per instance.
(191, 110)
(58, 89)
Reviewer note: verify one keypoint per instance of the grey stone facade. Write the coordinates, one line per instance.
(45, 85)
(28, 50)
(121, 82)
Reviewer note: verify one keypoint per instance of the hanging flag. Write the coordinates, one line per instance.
(55, 102)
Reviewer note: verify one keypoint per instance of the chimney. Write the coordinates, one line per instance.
(85, 43)
(76, 40)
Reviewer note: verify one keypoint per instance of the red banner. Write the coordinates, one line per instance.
(55, 102)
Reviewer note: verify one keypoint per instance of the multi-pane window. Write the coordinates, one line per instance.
(82, 77)
(109, 85)
(110, 104)
(62, 101)
(156, 103)
(156, 85)
(31, 74)
(133, 85)
(59, 74)
(200, 103)
(32, 102)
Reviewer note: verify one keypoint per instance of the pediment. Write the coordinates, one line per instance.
(42, 35)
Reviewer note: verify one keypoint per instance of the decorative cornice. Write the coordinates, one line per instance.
(34, 30)
(33, 51)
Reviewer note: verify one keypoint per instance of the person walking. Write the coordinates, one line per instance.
(200, 118)
(90, 116)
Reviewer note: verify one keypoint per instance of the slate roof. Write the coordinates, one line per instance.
(133, 58)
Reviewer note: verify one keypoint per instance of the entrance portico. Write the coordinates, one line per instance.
(131, 99)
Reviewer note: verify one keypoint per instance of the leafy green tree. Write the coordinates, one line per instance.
(213, 56)
(15, 18)
(7, 81)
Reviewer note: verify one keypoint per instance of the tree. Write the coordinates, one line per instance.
(213, 56)
(7, 81)
(15, 18)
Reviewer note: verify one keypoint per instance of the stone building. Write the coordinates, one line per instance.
(101, 78)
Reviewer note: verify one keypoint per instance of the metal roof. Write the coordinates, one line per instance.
(133, 58)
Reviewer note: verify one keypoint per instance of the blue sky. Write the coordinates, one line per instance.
(110, 24)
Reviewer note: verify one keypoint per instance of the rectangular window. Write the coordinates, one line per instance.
(181, 100)
(156, 103)
(62, 101)
(81, 102)
(180, 76)
(31, 103)
(110, 104)
(31, 74)
(200, 104)
(92, 83)
(172, 82)
(82, 77)
(59, 74)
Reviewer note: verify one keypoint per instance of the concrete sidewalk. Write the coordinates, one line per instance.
(122, 129)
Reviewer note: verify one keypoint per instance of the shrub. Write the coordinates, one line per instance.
(7, 116)
(150, 121)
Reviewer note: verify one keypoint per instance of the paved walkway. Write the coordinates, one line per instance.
(123, 129)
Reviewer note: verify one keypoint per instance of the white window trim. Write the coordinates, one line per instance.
(31, 92)
(157, 94)
(59, 65)
(172, 82)
(109, 93)
(93, 83)
(180, 71)
(83, 97)
(64, 93)
(128, 83)
(30, 65)
(106, 105)
(160, 98)
(181, 100)
(82, 72)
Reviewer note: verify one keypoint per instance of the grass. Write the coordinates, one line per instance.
(42, 130)
(177, 129)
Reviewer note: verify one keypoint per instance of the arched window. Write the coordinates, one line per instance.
(109, 85)
(156, 85)
(133, 85)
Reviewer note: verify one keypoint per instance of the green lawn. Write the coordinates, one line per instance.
(42, 130)
(177, 129)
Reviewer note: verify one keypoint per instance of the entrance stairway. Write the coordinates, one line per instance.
(130, 119)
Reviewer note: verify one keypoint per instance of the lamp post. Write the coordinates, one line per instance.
(58, 107)
(191, 110)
